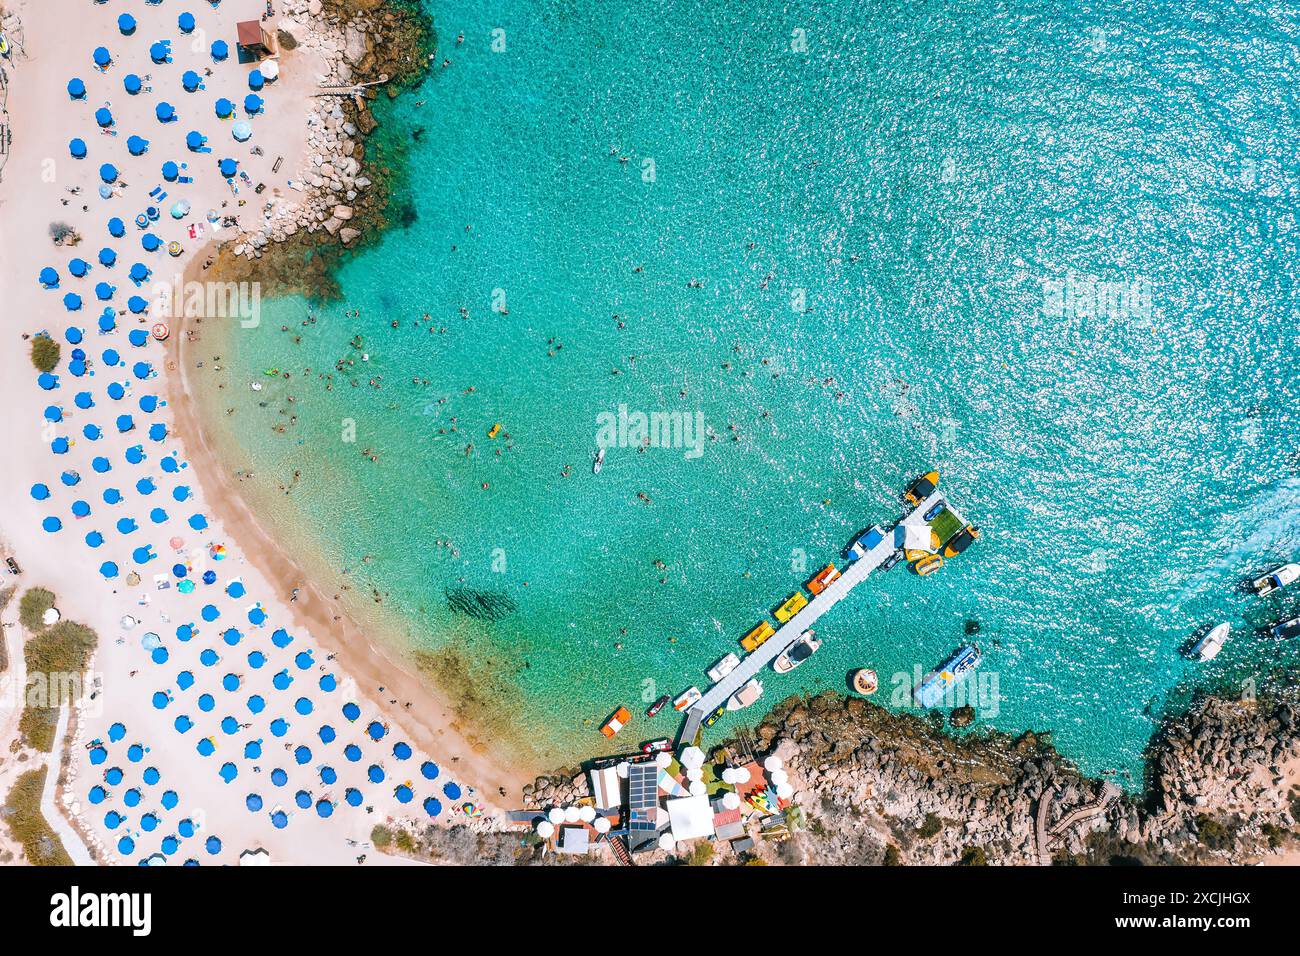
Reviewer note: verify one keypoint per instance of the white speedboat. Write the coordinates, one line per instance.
(805, 647)
(747, 694)
(598, 462)
(1208, 647)
(1276, 579)
(723, 667)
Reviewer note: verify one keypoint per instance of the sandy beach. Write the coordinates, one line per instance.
(40, 186)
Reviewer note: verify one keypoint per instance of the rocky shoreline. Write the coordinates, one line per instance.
(346, 185)
(876, 787)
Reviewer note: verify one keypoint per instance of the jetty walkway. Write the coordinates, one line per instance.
(851, 576)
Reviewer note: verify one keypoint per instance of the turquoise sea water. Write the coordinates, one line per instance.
(855, 261)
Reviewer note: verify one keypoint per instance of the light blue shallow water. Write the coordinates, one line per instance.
(881, 229)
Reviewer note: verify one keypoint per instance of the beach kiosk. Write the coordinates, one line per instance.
(255, 42)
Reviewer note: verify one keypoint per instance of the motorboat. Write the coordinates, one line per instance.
(1207, 648)
(798, 652)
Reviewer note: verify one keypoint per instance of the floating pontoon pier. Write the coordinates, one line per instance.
(852, 575)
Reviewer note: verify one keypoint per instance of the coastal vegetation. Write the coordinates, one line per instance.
(6, 595)
(22, 813)
(32, 607)
(45, 353)
(56, 657)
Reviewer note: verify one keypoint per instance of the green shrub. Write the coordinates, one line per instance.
(973, 856)
(405, 842)
(45, 353)
(931, 827)
(22, 811)
(1212, 833)
(32, 608)
(381, 836)
(56, 662)
(892, 856)
(701, 854)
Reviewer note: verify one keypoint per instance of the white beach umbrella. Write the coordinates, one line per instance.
(784, 791)
(622, 770)
(663, 759)
(601, 824)
(695, 773)
(728, 775)
(545, 828)
(698, 789)
(778, 777)
(692, 757)
(127, 622)
(773, 763)
(666, 842)
(586, 814)
(571, 815)
(51, 616)
(742, 775)
(555, 815)
(731, 800)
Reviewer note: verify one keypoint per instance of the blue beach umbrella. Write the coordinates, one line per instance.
(104, 291)
(429, 770)
(402, 751)
(324, 808)
(278, 777)
(102, 57)
(131, 83)
(228, 168)
(78, 267)
(185, 23)
(52, 524)
(40, 492)
(116, 228)
(403, 793)
(170, 171)
(126, 24)
(376, 730)
(137, 145)
(104, 116)
(72, 302)
(352, 752)
(279, 820)
(107, 257)
(351, 711)
(165, 112)
(375, 773)
(253, 801)
(77, 147)
(191, 81)
(150, 243)
(353, 796)
(108, 173)
(220, 49)
(452, 790)
(253, 104)
(53, 413)
(256, 80)
(49, 278)
(137, 304)
(161, 52)
(432, 806)
(76, 89)
(224, 108)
